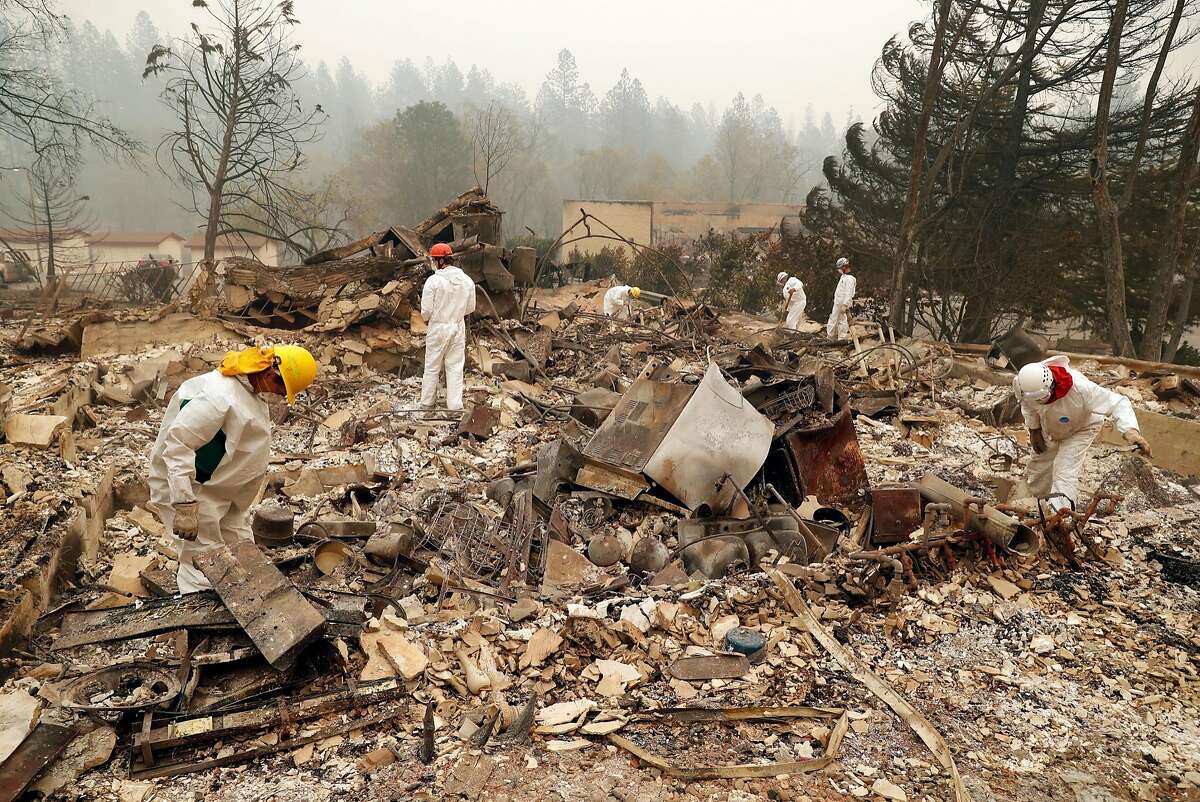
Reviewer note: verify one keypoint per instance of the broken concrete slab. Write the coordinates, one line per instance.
(125, 575)
(275, 615)
(389, 654)
(614, 677)
(113, 337)
(567, 568)
(15, 478)
(18, 714)
(36, 431)
(544, 643)
(133, 791)
(563, 712)
(1174, 441)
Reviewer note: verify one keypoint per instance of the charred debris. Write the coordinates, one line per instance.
(690, 548)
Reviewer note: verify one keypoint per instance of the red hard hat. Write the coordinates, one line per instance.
(441, 249)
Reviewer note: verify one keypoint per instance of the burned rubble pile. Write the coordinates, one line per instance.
(678, 557)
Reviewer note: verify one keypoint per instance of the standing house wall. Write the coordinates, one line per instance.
(669, 222)
(632, 219)
(683, 223)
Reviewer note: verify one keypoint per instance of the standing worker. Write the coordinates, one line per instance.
(446, 299)
(1064, 411)
(213, 449)
(794, 300)
(838, 327)
(617, 303)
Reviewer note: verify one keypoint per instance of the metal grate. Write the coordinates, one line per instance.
(482, 548)
(791, 402)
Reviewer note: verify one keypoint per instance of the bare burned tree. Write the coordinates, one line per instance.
(304, 220)
(1184, 181)
(1106, 208)
(32, 100)
(929, 95)
(241, 127)
(1183, 308)
(495, 140)
(53, 211)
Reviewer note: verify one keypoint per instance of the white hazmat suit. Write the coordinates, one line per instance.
(795, 303)
(1069, 425)
(447, 298)
(838, 327)
(213, 448)
(617, 302)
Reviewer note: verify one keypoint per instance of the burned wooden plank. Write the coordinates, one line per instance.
(304, 285)
(715, 666)
(344, 251)
(142, 619)
(275, 615)
(199, 730)
(141, 771)
(27, 761)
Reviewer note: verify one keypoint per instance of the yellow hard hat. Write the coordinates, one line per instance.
(636, 292)
(297, 367)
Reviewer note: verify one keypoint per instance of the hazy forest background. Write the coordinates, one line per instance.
(393, 152)
(1033, 160)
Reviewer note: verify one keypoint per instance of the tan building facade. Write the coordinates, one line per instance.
(134, 246)
(667, 222)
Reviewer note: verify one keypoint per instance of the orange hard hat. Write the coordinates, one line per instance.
(440, 251)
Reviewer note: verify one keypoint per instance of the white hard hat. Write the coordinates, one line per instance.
(842, 262)
(782, 277)
(1034, 381)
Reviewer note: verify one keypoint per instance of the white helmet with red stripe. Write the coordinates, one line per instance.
(1035, 381)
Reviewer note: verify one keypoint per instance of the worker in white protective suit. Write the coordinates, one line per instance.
(213, 448)
(1064, 411)
(446, 300)
(794, 300)
(838, 327)
(618, 303)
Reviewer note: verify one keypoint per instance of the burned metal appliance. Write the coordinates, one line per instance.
(897, 512)
(686, 438)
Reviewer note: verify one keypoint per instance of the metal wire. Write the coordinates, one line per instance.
(796, 400)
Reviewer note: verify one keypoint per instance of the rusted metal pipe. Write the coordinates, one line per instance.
(1003, 530)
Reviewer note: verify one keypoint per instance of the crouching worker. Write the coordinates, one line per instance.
(213, 449)
(1064, 411)
(618, 301)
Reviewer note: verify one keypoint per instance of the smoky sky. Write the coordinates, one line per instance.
(792, 52)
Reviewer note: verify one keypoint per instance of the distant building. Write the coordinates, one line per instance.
(82, 257)
(664, 222)
(267, 251)
(133, 246)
